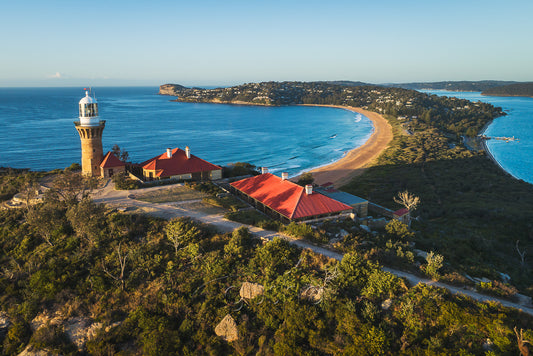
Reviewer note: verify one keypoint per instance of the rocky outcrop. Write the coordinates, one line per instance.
(30, 350)
(78, 329)
(227, 329)
(170, 89)
(251, 290)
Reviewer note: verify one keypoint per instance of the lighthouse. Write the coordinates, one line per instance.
(90, 129)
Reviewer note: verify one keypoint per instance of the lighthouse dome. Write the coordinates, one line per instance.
(87, 99)
(89, 111)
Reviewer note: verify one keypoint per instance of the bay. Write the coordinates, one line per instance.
(38, 131)
(515, 157)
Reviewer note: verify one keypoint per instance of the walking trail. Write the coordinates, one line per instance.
(124, 199)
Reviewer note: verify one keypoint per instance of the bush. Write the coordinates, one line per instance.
(398, 230)
(302, 230)
(52, 337)
(239, 169)
(298, 230)
(248, 217)
(122, 182)
(434, 263)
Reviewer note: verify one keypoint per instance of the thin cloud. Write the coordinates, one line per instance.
(57, 75)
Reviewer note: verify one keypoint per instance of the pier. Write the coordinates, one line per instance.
(502, 138)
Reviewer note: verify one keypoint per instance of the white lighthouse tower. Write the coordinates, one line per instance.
(90, 129)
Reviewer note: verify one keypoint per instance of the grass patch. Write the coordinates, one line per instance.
(173, 194)
(202, 207)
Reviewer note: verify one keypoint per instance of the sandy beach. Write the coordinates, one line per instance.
(355, 161)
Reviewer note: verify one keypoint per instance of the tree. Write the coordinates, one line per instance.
(46, 219)
(524, 350)
(86, 218)
(121, 258)
(305, 179)
(71, 187)
(408, 200)
(121, 154)
(181, 230)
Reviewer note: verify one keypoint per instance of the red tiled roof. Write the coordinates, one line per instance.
(177, 164)
(110, 161)
(401, 212)
(287, 198)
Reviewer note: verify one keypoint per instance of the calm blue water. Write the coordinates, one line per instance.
(515, 157)
(38, 131)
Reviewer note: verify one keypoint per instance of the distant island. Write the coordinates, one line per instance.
(516, 89)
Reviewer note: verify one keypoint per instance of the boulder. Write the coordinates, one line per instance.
(251, 290)
(227, 329)
(46, 318)
(386, 304)
(80, 330)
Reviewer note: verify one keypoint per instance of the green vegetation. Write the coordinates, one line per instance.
(516, 89)
(148, 286)
(305, 179)
(123, 182)
(13, 181)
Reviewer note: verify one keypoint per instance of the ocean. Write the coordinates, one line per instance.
(515, 157)
(38, 131)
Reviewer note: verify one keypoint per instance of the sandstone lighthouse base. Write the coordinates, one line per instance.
(92, 152)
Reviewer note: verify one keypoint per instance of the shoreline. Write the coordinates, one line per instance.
(355, 161)
(489, 154)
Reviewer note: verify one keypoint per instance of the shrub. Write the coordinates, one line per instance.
(434, 263)
(398, 230)
(298, 230)
(122, 182)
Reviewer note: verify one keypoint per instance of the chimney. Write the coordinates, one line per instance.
(264, 170)
(284, 176)
(187, 152)
(169, 152)
(308, 189)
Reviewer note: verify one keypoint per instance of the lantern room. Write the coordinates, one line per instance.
(88, 111)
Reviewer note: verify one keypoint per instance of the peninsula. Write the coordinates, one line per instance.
(464, 194)
(516, 89)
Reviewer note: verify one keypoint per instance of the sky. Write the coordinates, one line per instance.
(123, 43)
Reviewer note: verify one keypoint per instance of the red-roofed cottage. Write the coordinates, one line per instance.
(180, 164)
(285, 200)
(111, 165)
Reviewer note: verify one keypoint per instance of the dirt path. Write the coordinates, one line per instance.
(121, 198)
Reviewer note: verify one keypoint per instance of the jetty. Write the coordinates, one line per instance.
(502, 138)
